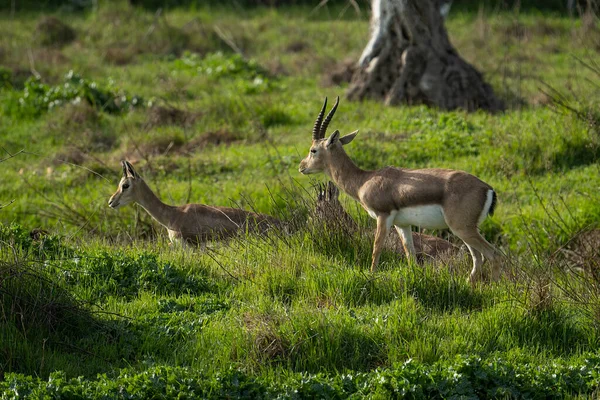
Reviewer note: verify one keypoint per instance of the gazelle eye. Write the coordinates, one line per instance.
(125, 186)
(314, 151)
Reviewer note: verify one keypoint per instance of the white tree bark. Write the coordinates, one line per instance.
(409, 59)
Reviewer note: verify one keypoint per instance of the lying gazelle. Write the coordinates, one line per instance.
(429, 198)
(329, 210)
(190, 223)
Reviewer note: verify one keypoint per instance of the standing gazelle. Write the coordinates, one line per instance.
(429, 198)
(193, 223)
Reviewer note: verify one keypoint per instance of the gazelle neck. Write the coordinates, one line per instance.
(346, 175)
(160, 211)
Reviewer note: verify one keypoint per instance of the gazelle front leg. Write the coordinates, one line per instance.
(407, 242)
(380, 235)
(177, 241)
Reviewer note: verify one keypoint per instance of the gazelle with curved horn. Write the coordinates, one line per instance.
(191, 223)
(429, 198)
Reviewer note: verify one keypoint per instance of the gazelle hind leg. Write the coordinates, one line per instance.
(476, 272)
(479, 246)
(405, 234)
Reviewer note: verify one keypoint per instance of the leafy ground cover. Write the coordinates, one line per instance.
(215, 108)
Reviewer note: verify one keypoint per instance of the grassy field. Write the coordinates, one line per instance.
(215, 105)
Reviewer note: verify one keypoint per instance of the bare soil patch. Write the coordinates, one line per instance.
(52, 32)
(340, 74)
(297, 46)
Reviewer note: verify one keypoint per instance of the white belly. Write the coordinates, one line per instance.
(429, 216)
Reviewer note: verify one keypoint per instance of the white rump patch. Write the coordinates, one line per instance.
(486, 207)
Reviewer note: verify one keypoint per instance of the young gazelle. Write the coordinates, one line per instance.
(190, 223)
(329, 210)
(429, 198)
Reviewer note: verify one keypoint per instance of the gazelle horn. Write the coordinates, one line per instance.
(317, 127)
(328, 118)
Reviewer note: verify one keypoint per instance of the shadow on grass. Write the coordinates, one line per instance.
(42, 324)
(552, 330)
(335, 344)
(44, 328)
(445, 293)
(51, 299)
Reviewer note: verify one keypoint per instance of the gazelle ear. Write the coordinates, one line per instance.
(333, 138)
(129, 171)
(348, 138)
(124, 165)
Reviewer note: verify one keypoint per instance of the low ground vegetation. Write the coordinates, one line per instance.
(97, 304)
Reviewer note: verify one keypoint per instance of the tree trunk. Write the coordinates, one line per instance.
(409, 59)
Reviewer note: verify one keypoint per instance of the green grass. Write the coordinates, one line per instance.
(105, 297)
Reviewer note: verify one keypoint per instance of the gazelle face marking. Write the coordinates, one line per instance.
(125, 193)
(313, 162)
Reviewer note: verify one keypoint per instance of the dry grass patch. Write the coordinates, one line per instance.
(71, 154)
(589, 32)
(583, 252)
(213, 138)
(119, 55)
(168, 115)
(75, 115)
(267, 341)
(541, 99)
(154, 147)
(177, 144)
(82, 125)
(522, 32)
(45, 56)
